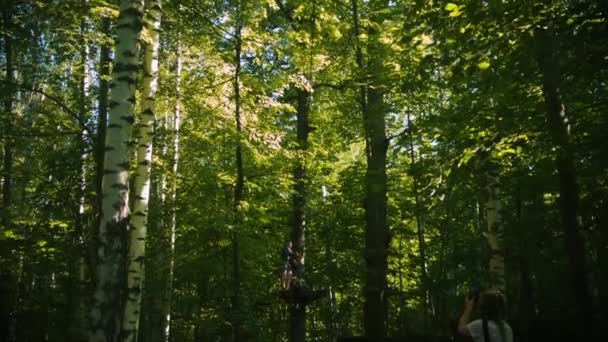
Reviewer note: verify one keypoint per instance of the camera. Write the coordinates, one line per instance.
(474, 293)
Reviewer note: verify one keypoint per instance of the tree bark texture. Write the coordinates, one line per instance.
(102, 123)
(145, 132)
(376, 142)
(297, 311)
(495, 233)
(106, 312)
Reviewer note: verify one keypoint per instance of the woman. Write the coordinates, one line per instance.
(491, 327)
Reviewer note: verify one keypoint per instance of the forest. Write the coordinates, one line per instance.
(302, 170)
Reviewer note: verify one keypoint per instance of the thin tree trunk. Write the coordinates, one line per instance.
(7, 17)
(102, 123)
(424, 281)
(603, 265)
(106, 311)
(77, 317)
(145, 132)
(152, 325)
(238, 188)
(7, 160)
(168, 291)
(559, 130)
(526, 303)
(332, 331)
(438, 287)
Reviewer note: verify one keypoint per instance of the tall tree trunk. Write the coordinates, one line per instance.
(376, 232)
(106, 312)
(603, 265)
(559, 130)
(7, 160)
(376, 143)
(167, 303)
(495, 233)
(7, 17)
(424, 281)
(440, 282)
(332, 331)
(77, 318)
(238, 187)
(526, 298)
(102, 123)
(297, 310)
(145, 132)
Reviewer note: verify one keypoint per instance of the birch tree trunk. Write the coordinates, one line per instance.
(106, 312)
(145, 132)
(495, 234)
(102, 123)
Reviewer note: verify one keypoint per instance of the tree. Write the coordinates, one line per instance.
(110, 270)
(373, 109)
(559, 131)
(420, 135)
(145, 132)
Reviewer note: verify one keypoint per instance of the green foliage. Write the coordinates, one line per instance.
(463, 91)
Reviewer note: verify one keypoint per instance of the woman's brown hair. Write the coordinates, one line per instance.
(493, 307)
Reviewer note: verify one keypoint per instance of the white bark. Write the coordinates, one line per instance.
(139, 219)
(495, 234)
(79, 316)
(106, 313)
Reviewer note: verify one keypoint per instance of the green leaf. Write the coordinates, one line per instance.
(483, 65)
(451, 7)
(9, 234)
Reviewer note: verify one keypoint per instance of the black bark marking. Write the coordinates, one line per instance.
(123, 165)
(128, 119)
(120, 186)
(129, 67)
(127, 79)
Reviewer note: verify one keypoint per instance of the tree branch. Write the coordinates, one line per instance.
(54, 99)
(286, 12)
